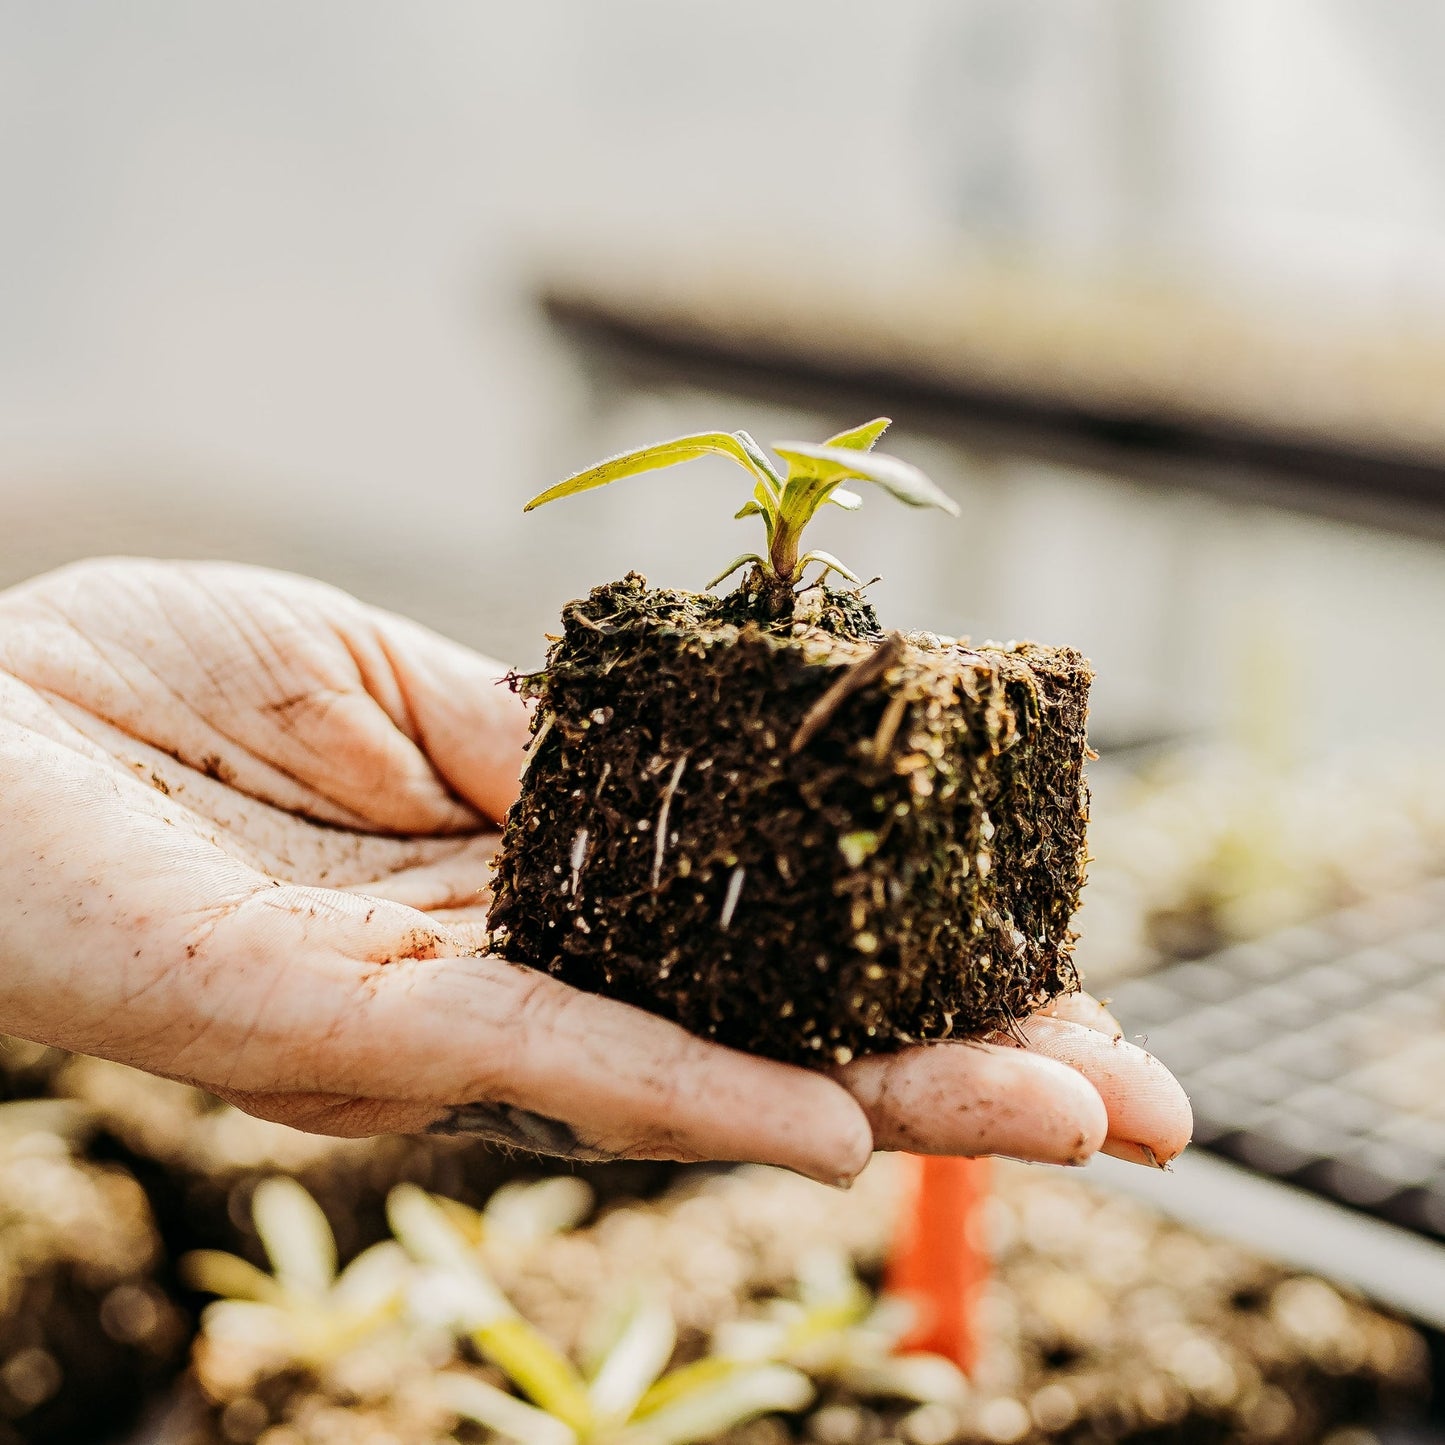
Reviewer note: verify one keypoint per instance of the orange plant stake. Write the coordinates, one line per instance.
(938, 1261)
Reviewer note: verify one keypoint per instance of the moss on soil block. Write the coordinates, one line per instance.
(802, 838)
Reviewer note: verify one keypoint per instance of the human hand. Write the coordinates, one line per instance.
(244, 841)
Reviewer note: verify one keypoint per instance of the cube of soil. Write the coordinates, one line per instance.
(799, 837)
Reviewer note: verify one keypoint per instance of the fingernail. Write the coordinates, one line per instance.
(1133, 1153)
(830, 1178)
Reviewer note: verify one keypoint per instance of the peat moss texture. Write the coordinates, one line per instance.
(800, 836)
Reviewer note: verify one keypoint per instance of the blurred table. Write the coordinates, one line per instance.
(1339, 411)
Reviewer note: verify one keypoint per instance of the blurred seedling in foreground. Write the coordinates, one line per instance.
(304, 1311)
(622, 1396)
(838, 1333)
(521, 1213)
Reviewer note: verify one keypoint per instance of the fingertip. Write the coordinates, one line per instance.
(854, 1141)
(1133, 1153)
(1087, 1108)
(1146, 1105)
(823, 1132)
(970, 1099)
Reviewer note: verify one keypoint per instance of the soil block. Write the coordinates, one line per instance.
(799, 836)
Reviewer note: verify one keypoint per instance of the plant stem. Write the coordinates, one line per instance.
(783, 554)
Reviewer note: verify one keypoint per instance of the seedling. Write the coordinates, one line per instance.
(521, 1213)
(623, 1397)
(837, 1332)
(786, 501)
(761, 816)
(303, 1311)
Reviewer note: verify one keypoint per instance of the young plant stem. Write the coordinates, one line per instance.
(783, 554)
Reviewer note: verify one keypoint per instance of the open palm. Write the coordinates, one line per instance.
(244, 843)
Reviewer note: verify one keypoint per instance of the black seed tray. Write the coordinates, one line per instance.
(1317, 1054)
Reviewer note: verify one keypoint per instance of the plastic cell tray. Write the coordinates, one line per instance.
(1317, 1054)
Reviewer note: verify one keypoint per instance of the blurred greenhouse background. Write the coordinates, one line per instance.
(269, 275)
(1156, 292)
(271, 279)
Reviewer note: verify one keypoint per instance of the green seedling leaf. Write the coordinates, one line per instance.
(427, 1230)
(631, 1367)
(737, 446)
(527, 1357)
(830, 564)
(501, 1413)
(733, 567)
(429, 1234)
(230, 1276)
(521, 1212)
(686, 1380)
(296, 1236)
(815, 475)
(374, 1282)
(770, 481)
(825, 464)
(538, 1369)
(861, 438)
(924, 1379)
(717, 1406)
(468, 1222)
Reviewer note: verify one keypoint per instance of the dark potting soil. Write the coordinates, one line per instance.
(797, 835)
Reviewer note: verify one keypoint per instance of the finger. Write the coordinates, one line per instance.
(468, 721)
(1150, 1120)
(978, 1098)
(1082, 1008)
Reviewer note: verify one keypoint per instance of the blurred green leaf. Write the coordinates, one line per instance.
(710, 1408)
(230, 1276)
(501, 1413)
(296, 1236)
(638, 1356)
(537, 1368)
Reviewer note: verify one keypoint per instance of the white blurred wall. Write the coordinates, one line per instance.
(264, 273)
